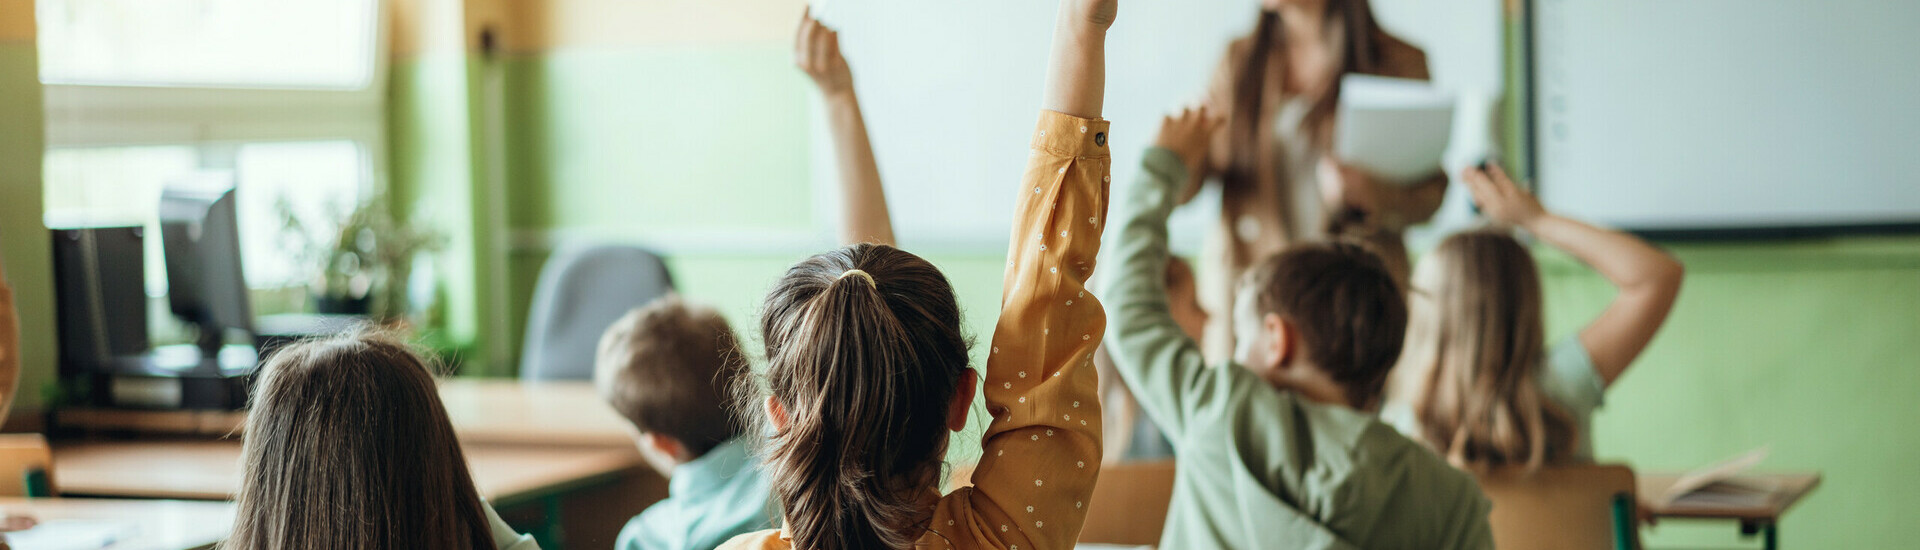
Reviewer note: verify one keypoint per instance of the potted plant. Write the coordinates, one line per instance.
(363, 264)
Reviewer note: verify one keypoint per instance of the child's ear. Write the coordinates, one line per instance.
(666, 445)
(962, 400)
(1281, 345)
(776, 414)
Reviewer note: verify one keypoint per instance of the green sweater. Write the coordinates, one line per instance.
(1260, 467)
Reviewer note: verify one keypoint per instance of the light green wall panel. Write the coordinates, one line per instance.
(24, 241)
(1812, 348)
(660, 140)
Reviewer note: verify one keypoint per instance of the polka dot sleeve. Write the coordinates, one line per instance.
(1041, 451)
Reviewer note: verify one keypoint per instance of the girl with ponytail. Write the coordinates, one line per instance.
(867, 372)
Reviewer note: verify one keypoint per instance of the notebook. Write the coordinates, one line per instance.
(1394, 128)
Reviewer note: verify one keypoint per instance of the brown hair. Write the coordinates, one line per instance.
(1357, 31)
(865, 364)
(1350, 313)
(348, 447)
(1473, 351)
(667, 367)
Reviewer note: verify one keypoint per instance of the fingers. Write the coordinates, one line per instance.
(803, 41)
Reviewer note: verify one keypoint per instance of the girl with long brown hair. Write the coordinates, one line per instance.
(867, 373)
(1477, 381)
(1278, 88)
(348, 447)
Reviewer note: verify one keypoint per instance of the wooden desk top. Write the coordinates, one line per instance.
(160, 524)
(482, 410)
(1792, 487)
(536, 413)
(210, 469)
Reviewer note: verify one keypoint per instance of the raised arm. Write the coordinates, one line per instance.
(1648, 279)
(1041, 388)
(1158, 361)
(863, 201)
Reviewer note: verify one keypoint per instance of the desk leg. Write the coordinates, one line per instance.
(548, 534)
(1770, 537)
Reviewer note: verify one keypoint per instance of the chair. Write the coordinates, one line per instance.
(581, 291)
(1129, 505)
(1563, 507)
(26, 466)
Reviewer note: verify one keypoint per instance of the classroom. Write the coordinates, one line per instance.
(698, 274)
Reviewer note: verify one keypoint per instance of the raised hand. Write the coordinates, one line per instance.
(1189, 135)
(1501, 200)
(1099, 13)
(816, 50)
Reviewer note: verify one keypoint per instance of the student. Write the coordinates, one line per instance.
(867, 366)
(1278, 450)
(348, 447)
(1479, 384)
(667, 368)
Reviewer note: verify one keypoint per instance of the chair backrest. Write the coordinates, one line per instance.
(1588, 506)
(580, 292)
(26, 466)
(1129, 504)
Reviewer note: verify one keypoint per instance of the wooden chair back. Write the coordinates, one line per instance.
(26, 466)
(1572, 507)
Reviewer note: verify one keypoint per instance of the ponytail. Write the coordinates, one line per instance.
(864, 352)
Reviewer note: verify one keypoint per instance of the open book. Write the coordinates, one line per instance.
(1719, 485)
(71, 535)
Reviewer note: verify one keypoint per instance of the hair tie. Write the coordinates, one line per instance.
(860, 274)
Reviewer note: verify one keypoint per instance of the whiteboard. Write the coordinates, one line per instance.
(1728, 114)
(951, 92)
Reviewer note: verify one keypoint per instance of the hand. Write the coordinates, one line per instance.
(1096, 15)
(816, 50)
(1189, 135)
(1346, 188)
(1501, 200)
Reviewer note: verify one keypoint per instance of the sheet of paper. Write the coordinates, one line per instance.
(1713, 473)
(71, 535)
(1394, 128)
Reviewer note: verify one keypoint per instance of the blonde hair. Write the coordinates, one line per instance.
(1475, 345)
(348, 447)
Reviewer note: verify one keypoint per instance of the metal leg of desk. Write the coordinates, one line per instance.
(548, 534)
(1769, 533)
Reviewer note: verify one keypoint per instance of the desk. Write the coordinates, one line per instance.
(482, 411)
(210, 470)
(162, 524)
(1763, 520)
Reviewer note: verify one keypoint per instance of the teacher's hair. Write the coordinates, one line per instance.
(1474, 347)
(348, 447)
(864, 364)
(1353, 22)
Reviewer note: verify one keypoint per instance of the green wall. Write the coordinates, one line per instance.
(1810, 346)
(24, 241)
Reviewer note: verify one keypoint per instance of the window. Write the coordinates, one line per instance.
(309, 44)
(287, 96)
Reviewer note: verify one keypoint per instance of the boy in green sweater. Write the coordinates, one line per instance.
(1278, 450)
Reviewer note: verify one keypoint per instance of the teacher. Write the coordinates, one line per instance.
(1280, 184)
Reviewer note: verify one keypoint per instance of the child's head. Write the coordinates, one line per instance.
(866, 377)
(1322, 316)
(1183, 296)
(1473, 347)
(668, 368)
(348, 446)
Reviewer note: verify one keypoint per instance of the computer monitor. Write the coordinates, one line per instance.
(200, 234)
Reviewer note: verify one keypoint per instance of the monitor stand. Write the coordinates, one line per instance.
(181, 377)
